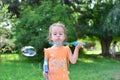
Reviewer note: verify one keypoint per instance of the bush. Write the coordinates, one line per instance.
(31, 28)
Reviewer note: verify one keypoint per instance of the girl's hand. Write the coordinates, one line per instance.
(45, 75)
(79, 45)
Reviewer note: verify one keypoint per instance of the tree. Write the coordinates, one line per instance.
(31, 28)
(90, 21)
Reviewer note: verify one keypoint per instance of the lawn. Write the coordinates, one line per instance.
(14, 67)
(95, 68)
(88, 67)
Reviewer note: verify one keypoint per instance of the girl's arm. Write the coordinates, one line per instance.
(73, 57)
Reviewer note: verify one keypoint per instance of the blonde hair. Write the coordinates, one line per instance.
(58, 24)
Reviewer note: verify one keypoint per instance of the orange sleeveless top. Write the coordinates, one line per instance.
(58, 62)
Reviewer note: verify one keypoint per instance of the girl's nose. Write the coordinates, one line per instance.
(58, 35)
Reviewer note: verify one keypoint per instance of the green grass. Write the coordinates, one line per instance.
(14, 67)
(88, 67)
(95, 68)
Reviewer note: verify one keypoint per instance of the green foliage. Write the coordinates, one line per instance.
(31, 28)
(6, 44)
(4, 19)
(5, 32)
(112, 22)
(13, 6)
(90, 17)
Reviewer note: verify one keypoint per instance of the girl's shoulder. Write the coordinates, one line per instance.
(47, 49)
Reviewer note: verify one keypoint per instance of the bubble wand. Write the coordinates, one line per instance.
(46, 67)
(75, 43)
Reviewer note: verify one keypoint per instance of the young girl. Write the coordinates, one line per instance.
(58, 56)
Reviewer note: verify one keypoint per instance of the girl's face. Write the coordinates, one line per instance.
(57, 34)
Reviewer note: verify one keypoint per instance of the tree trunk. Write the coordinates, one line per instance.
(105, 45)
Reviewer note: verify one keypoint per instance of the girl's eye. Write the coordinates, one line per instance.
(60, 34)
(55, 34)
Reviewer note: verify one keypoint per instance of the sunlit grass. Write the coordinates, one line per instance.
(93, 52)
(10, 57)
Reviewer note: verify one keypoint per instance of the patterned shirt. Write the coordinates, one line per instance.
(58, 60)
